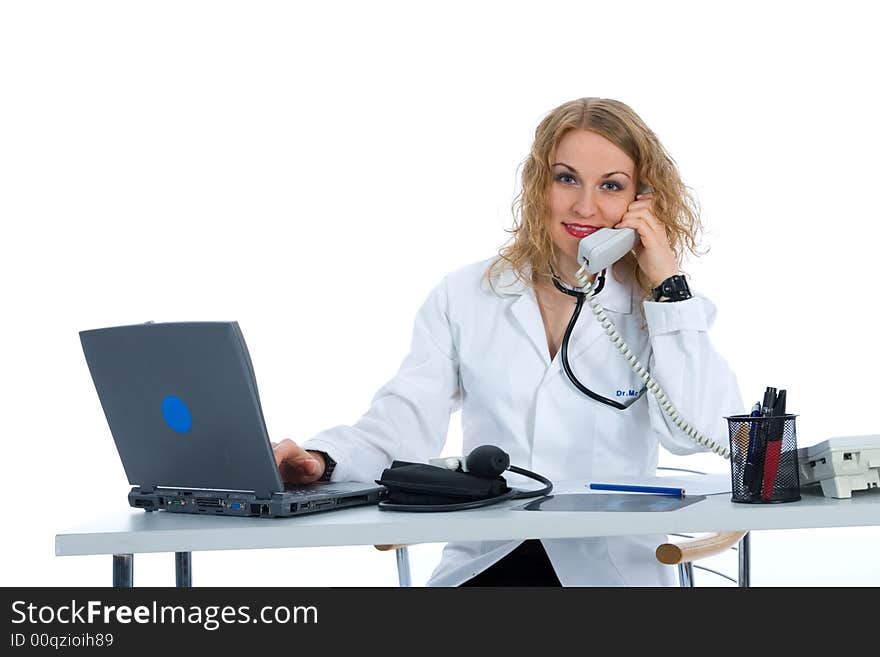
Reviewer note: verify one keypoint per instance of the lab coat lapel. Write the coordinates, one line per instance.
(526, 312)
(525, 309)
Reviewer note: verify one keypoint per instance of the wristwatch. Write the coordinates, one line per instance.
(329, 466)
(674, 288)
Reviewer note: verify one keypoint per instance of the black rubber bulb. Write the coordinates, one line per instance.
(487, 461)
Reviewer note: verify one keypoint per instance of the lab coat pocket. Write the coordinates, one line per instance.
(625, 443)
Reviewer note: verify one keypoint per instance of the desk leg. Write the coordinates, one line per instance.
(183, 569)
(123, 571)
(744, 553)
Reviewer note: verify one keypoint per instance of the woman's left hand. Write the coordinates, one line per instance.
(654, 255)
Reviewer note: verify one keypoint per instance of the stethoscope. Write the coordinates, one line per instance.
(580, 296)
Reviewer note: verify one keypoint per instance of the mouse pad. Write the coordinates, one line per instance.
(609, 502)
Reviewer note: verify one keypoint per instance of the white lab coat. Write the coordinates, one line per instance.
(487, 354)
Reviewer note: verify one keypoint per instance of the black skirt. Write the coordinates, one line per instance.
(527, 565)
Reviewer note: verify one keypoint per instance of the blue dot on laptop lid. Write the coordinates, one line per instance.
(176, 414)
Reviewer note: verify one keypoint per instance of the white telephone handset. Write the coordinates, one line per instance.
(597, 252)
(605, 247)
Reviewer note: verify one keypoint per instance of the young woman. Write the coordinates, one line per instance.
(487, 341)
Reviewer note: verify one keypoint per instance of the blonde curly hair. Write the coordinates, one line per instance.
(531, 246)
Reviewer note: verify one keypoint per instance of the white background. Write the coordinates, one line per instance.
(313, 170)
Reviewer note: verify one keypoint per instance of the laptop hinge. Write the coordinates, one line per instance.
(146, 490)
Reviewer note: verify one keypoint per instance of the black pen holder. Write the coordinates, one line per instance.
(763, 459)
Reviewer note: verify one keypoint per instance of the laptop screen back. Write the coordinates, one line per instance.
(182, 405)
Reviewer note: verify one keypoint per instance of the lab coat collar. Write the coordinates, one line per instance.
(615, 296)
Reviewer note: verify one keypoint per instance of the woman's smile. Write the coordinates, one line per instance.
(580, 230)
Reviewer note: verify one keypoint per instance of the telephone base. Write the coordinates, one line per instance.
(841, 465)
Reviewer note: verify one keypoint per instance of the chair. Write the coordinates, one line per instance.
(403, 572)
(684, 553)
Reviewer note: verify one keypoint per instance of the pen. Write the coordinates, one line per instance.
(660, 490)
(774, 447)
(761, 435)
(749, 468)
(769, 400)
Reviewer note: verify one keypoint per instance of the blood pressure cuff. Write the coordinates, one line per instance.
(418, 483)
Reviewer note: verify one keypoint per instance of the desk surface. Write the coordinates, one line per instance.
(130, 531)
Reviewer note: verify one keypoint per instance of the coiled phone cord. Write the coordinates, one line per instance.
(689, 430)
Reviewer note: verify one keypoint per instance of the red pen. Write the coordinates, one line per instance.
(774, 448)
(771, 463)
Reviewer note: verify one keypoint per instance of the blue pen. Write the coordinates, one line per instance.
(660, 490)
(749, 468)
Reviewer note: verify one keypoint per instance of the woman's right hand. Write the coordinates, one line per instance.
(296, 465)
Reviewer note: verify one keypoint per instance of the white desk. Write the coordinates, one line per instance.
(130, 531)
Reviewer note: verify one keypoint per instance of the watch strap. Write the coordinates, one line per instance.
(674, 288)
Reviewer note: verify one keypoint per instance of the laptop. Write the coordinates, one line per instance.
(182, 405)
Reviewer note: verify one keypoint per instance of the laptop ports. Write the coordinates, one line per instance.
(319, 504)
(208, 501)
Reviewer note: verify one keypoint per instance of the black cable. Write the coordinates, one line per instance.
(580, 296)
(522, 494)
